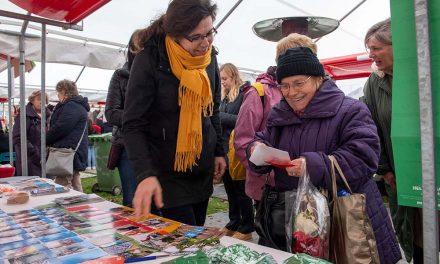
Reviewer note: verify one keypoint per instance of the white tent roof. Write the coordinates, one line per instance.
(85, 54)
(235, 41)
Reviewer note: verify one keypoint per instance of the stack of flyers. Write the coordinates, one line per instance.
(17, 179)
(152, 222)
(77, 199)
(114, 243)
(156, 240)
(30, 237)
(122, 211)
(31, 184)
(93, 214)
(63, 218)
(69, 248)
(13, 236)
(27, 251)
(184, 240)
(39, 187)
(158, 223)
(49, 190)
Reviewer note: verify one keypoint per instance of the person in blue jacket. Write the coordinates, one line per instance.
(67, 126)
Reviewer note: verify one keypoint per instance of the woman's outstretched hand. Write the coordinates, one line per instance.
(146, 191)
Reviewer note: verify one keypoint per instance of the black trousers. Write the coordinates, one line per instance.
(191, 214)
(241, 210)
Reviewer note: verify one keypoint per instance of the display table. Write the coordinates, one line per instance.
(36, 201)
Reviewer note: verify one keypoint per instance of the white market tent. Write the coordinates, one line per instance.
(85, 52)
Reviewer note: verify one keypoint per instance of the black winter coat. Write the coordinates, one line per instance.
(151, 121)
(33, 134)
(114, 105)
(67, 124)
(228, 117)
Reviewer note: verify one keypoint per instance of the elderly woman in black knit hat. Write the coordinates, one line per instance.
(312, 121)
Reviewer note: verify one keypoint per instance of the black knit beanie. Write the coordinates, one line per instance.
(298, 61)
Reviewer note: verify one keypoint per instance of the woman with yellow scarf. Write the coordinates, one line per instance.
(171, 119)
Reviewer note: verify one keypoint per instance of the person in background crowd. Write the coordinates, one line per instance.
(241, 213)
(91, 157)
(171, 125)
(315, 119)
(67, 125)
(33, 133)
(102, 122)
(4, 143)
(378, 97)
(253, 114)
(114, 109)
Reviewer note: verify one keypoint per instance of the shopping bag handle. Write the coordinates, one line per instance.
(335, 163)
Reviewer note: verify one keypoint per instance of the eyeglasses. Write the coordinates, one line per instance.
(199, 37)
(285, 87)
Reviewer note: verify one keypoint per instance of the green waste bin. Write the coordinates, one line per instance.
(108, 180)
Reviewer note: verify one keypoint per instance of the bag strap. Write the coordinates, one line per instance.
(335, 164)
(79, 142)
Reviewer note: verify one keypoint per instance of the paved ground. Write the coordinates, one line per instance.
(221, 219)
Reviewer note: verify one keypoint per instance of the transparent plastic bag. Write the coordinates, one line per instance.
(311, 220)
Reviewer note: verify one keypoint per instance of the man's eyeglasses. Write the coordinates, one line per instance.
(285, 87)
(199, 37)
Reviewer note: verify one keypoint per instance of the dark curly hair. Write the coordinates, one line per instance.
(181, 17)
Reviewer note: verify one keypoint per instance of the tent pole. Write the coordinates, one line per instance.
(348, 13)
(228, 14)
(43, 101)
(23, 135)
(430, 218)
(80, 73)
(10, 102)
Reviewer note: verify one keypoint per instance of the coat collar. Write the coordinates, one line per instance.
(325, 103)
(383, 82)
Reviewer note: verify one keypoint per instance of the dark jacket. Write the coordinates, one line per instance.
(33, 134)
(114, 105)
(151, 121)
(333, 124)
(228, 117)
(67, 124)
(378, 97)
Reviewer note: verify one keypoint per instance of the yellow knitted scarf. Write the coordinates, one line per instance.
(195, 98)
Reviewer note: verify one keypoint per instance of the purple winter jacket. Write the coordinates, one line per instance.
(33, 132)
(333, 124)
(251, 119)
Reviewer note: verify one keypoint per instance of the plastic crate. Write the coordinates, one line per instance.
(7, 172)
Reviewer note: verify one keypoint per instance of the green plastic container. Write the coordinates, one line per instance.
(108, 180)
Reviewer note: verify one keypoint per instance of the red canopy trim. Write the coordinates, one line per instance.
(348, 67)
(69, 11)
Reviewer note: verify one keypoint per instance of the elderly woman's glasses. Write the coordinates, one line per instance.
(285, 87)
(199, 37)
